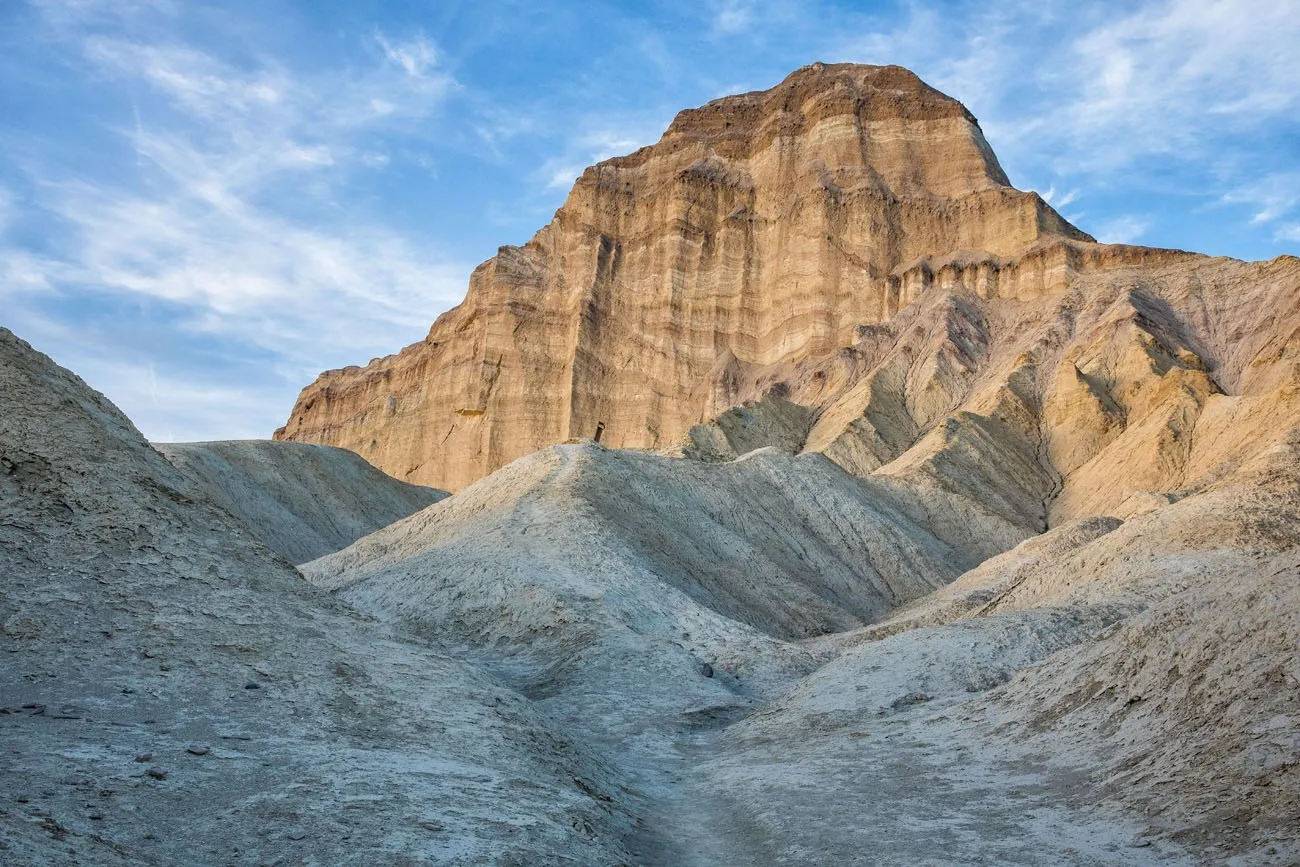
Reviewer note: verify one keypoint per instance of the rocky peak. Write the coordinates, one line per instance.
(818, 91)
(883, 119)
(763, 228)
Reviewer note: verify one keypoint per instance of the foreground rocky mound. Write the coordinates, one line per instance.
(789, 546)
(628, 628)
(302, 501)
(1151, 670)
(593, 579)
(1112, 691)
(174, 692)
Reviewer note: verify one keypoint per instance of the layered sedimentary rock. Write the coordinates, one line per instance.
(762, 229)
(1157, 372)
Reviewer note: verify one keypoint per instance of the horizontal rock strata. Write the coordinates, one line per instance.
(763, 228)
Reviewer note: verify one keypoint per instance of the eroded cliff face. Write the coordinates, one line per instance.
(762, 229)
(1154, 375)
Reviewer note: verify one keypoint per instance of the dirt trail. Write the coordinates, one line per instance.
(688, 823)
(917, 789)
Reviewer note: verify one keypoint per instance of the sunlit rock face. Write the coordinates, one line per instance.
(760, 230)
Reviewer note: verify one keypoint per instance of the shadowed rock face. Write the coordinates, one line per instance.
(761, 229)
(1155, 372)
(302, 501)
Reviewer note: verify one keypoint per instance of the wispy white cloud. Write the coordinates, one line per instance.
(496, 127)
(267, 118)
(234, 270)
(1288, 232)
(203, 232)
(23, 272)
(560, 176)
(1124, 81)
(194, 80)
(1271, 198)
(1123, 230)
(168, 407)
(762, 21)
(1152, 81)
(66, 13)
(732, 16)
(1059, 200)
(416, 56)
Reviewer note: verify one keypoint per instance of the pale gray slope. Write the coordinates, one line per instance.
(790, 546)
(304, 501)
(1110, 692)
(602, 582)
(989, 720)
(1190, 710)
(1152, 674)
(137, 622)
(573, 567)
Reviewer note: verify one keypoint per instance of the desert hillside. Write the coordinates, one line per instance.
(175, 693)
(302, 501)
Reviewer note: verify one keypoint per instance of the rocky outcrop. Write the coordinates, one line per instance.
(761, 230)
(648, 542)
(1154, 373)
(837, 265)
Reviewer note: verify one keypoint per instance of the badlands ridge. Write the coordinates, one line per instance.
(921, 529)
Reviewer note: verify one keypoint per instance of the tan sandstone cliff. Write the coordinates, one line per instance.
(762, 229)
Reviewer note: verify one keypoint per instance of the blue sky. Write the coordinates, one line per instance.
(202, 205)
